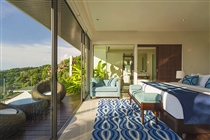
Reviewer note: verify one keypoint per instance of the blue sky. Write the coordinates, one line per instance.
(25, 42)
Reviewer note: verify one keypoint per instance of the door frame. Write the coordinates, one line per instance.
(158, 72)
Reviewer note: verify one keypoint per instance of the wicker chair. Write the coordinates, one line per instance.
(11, 123)
(32, 108)
(39, 89)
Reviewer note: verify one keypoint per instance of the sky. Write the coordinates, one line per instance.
(25, 42)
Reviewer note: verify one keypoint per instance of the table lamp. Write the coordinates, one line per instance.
(180, 75)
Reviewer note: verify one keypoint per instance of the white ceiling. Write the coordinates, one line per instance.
(143, 15)
(122, 15)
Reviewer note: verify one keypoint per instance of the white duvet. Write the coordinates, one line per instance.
(170, 103)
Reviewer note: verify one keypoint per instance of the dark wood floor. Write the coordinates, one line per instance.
(40, 128)
(197, 137)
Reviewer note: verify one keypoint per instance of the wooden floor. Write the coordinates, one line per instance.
(40, 128)
(197, 137)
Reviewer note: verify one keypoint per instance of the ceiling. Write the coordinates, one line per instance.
(143, 15)
(122, 15)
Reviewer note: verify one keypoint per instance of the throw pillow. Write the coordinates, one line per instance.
(190, 80)
(203, 79)
(95, 80)
(114, 82)
(98, 82)
(207, 85)
(110, 81)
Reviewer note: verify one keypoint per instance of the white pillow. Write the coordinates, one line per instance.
(203, 79)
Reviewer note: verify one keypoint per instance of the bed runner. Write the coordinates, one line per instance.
(196, 105)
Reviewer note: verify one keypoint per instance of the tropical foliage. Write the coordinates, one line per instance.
(73, 83)
(17, 78)
(99, 71)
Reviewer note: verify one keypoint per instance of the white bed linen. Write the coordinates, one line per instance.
(170, 103)
(191, 87)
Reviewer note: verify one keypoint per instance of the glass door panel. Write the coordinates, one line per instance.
(84, 70)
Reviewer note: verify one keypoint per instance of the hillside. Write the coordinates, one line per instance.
(17, 78)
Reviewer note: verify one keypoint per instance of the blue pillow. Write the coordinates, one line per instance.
(190, 80)
(110, 81)
(98, 82)
(207, 85)
(114, 82)
(95, 80)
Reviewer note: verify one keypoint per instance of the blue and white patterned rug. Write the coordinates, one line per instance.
(117, 120)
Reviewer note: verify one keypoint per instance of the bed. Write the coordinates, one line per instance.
(174, 113)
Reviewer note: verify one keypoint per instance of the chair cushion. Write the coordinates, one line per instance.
(135, 92)
(105, 89)
(8, 111)
(148, 97)
(134, 87)
(47, 93)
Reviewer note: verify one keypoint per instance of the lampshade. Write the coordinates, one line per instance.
(180, 74)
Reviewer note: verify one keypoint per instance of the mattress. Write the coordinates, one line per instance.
(170, 103)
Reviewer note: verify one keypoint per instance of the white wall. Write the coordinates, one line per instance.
(99, 54)
(115, 62)
(112, 58)
(209, 48)
(209, 42)
(195, 45)
(209, 54)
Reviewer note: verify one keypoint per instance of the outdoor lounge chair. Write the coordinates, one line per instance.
(11, 120)
(32, 108)
(40, 90)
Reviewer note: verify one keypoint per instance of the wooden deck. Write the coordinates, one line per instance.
(40, 128)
